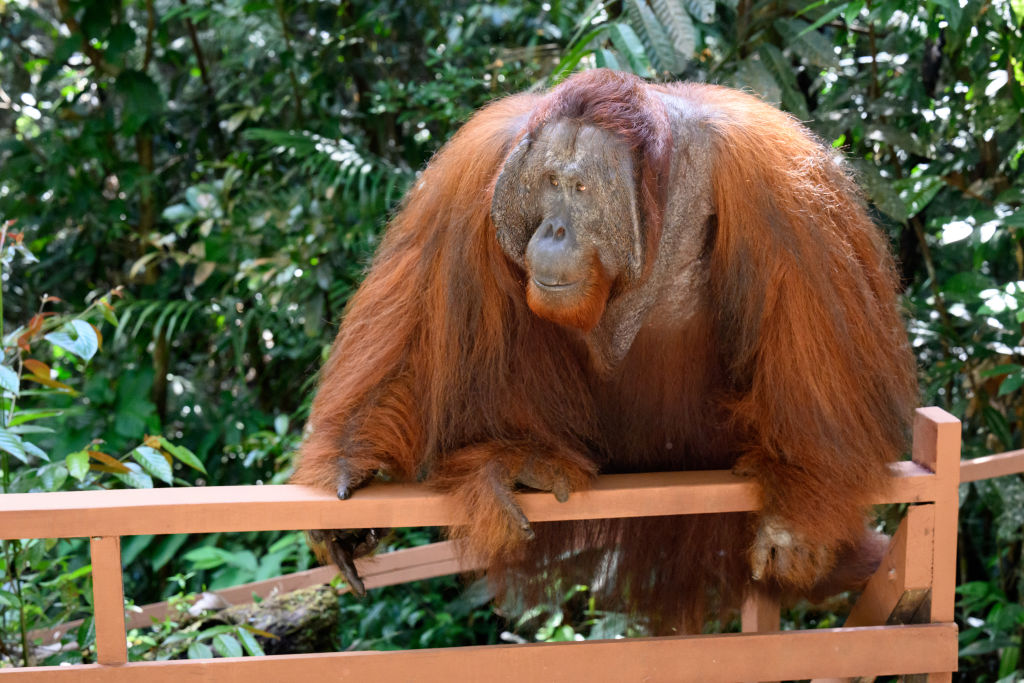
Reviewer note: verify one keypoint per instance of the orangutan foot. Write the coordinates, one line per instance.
(535, 473)
(787, 556)
(345, 546)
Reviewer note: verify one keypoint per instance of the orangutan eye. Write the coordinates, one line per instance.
(580, 187)
(554, 180)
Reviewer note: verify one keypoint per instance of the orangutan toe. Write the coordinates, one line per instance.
(345, 546)
(349, 479)
(545, 475)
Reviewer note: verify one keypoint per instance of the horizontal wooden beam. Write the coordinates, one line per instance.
(990, 466)
(129, 512)
(868, 651)
(384, 569)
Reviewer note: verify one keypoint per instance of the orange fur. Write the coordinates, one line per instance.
(795, 368)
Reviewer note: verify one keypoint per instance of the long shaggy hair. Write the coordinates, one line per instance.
(795, 368)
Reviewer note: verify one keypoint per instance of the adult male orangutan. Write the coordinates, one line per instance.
(616, 276)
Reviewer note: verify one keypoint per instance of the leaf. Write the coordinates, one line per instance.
(77, 464)
(142, 98)
(880, 190)
(37, 367)
(812, 47)
(917, 193)
(755, 75)
(1011, 383)
(183, 454)
(203, 271)
(153, 462)
(12, 443)
(53, 476)
(967, 286)
(208, 557)
(226, 645)
(135, 478)
(178, 213)
(23, 416)
(626, 41)
(281, 425)
(999, 426)
(701, 10)
(679, 26)
(8, 380)
(77, 337)
(654, 37)
(110, 461)
(250, 643)
(52, 383)
(199, 650)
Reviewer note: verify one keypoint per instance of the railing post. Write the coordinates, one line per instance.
(937, 448)
(108, 600)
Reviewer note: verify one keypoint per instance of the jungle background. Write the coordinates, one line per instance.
(190, 191)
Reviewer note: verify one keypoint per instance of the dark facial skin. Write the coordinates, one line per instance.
(583, 233)
(566, 210)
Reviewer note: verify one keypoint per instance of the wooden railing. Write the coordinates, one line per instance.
(902, 624)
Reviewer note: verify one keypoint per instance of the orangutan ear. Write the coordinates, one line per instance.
(510, 205)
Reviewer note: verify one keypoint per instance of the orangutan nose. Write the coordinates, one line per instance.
(553, 254)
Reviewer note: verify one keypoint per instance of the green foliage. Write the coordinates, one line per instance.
(226, 168)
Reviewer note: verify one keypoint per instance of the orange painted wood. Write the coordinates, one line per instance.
(937, 447)
(108, 600)
(760, 612)
(991, 466)
(876, 650)
(386, 569)
(905, 573)
(130, 512)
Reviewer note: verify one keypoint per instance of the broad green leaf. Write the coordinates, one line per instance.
(1011, 383)
(183, 454)
(199, 650)
(77, 337)
(812, 47)
(143, 101)
(135, 478)
(967, 286)
(626, 41)
(23, 416)
(917, 193)
(249, 642)
(153, 462)
(226, 645)
(701, 10)
(8, 380)
(208, 557)
(34, 450)
(77, 464)
(679, 26)
(12, 443)
(656, 40)
(53, 476)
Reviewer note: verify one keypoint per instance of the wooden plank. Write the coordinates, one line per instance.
(991, 466)
(760, 612)
(937, 447)
(129, 512)
(108, 600)
(877, 650)
(386, 569)
(903, 579)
